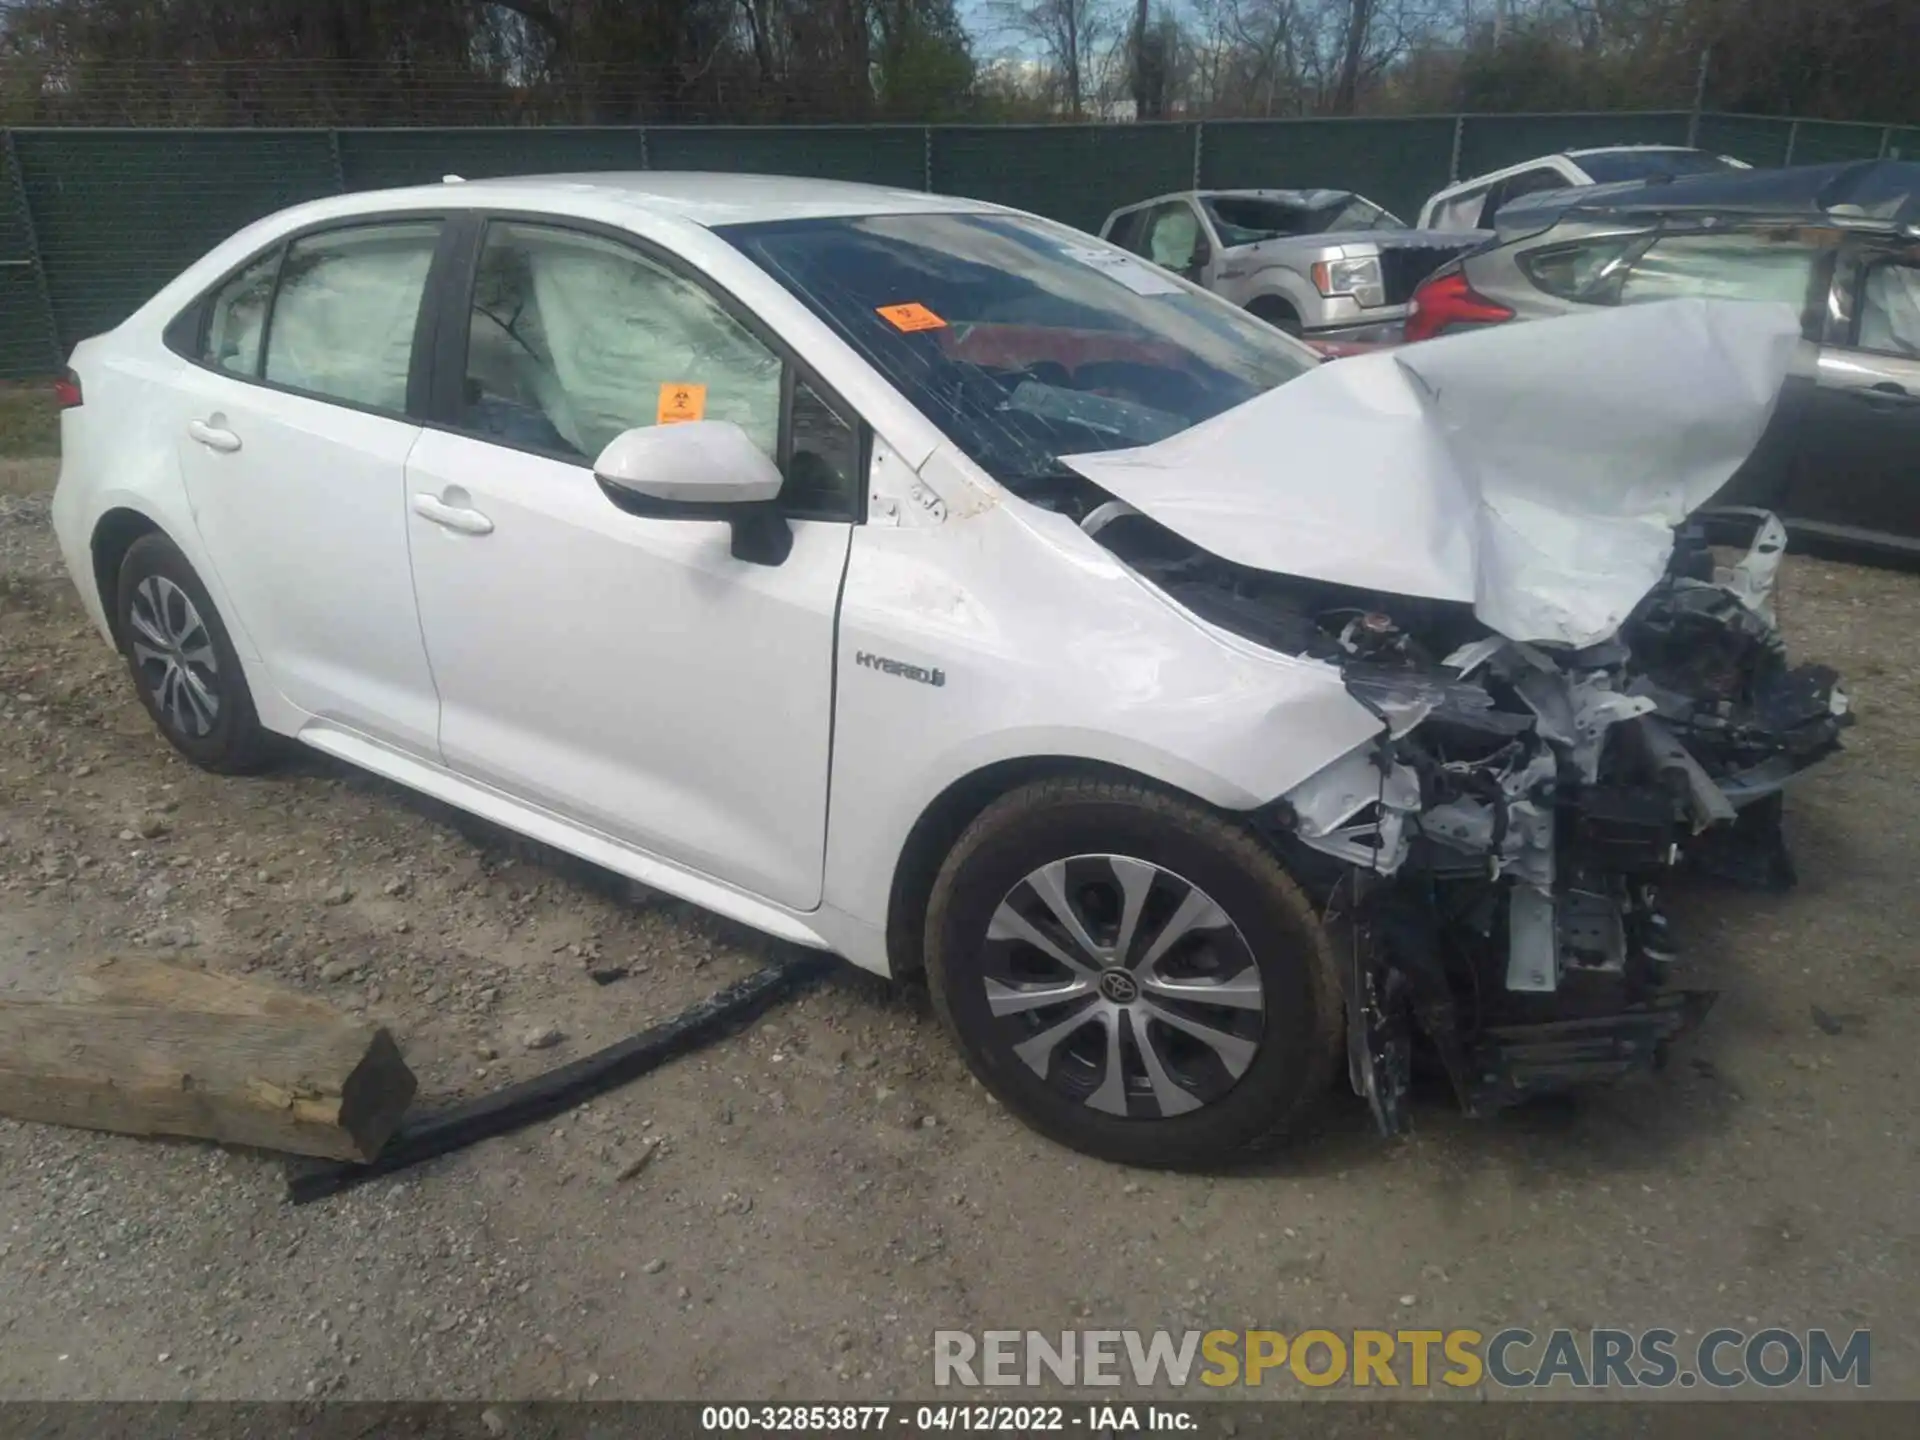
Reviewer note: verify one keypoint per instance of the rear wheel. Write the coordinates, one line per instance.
(183, 662)
(1132, 974)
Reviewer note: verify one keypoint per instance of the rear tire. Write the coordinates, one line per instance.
(1157, 1071)
(183, 663)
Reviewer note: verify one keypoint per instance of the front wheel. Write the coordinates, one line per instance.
(1132, 974)
(1277, 313)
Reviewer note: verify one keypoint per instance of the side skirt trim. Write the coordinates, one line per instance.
(550, 829)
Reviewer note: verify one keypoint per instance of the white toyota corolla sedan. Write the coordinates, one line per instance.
(927, 582)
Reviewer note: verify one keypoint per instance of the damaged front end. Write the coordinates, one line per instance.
(1496, 853)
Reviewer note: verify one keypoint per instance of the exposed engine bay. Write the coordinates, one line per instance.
(1495, 855)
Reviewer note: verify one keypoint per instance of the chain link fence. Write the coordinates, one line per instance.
(93, 221)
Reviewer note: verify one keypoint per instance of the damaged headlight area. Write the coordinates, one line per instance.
(1495, 855)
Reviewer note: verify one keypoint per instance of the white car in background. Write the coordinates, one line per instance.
(1472, 204)
(930, 583)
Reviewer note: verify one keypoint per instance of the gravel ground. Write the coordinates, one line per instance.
(829, 1188)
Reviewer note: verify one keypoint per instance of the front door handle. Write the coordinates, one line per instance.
(453, 517)
(214, 437)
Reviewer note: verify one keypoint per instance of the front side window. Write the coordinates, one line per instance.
(823, 469)
(344, 312)
(1023, 340)
(1890, 309)
(1737, 265)
(1173, 236)
(237, 317)
(575, 339)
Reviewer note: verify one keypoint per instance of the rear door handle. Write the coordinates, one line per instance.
(214, 437)
(453, 517)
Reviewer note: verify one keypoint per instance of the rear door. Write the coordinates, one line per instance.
(1857, 465)
(294, 426)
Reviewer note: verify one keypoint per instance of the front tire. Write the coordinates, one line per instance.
(1133, 974)
(183, 663)
(1277, 313)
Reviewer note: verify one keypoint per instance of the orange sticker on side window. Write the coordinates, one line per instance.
(911, 317)
(681, 402)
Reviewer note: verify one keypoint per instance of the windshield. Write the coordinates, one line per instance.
(1611, 166)
(1246, 219)
(1023, 340)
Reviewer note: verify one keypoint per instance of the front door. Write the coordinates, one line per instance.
(293, 437)
(630, 674)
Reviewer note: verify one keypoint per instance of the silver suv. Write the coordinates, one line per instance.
(1326, 264)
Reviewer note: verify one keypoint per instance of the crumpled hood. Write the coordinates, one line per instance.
(1536, 471)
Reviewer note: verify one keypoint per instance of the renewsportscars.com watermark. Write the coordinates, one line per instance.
(1513, 1358)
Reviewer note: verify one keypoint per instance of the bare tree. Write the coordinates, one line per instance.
(1067, 34)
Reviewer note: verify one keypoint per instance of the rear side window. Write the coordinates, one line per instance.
(1527, 182)
(237, 318)
(1462, 212)
(344, 312)
(1732, 266)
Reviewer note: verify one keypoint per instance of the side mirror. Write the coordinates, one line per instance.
(699, 470)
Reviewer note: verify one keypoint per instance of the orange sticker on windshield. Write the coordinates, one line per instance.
(911, 317)
(681, 402)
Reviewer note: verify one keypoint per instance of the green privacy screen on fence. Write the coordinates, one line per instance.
(27, 346)
(1396, 163)
(1072, 173)
(93, 222)
(119, 213)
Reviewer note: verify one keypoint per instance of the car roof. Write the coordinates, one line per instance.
(1865, 194)
(701, 198)
(1469, 182)
(1626, 149)
(1308, 198)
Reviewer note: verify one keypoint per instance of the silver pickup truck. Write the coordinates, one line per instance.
(1325, 264)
